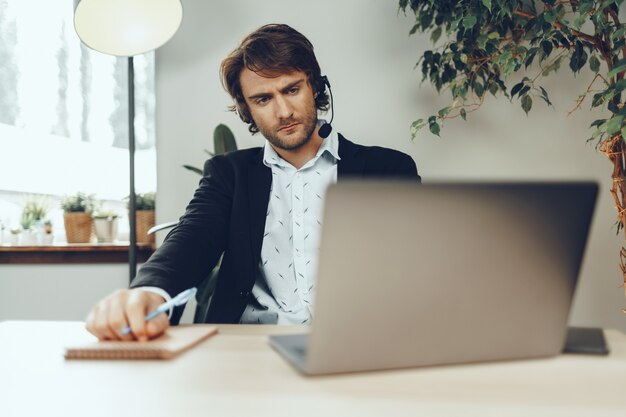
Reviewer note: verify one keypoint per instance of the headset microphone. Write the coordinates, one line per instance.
(326, 128)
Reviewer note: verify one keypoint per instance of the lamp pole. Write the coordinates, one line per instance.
(111, 27)
(132, 201)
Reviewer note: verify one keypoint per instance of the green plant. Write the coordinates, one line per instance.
(223, 142)
(105, 214)
(35, 208)
(145, 201)
(480, 43)
(80, 202)
(27, 220)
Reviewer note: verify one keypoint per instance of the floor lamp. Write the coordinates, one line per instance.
(126, 28)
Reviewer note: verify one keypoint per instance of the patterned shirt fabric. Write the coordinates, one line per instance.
(284, 290)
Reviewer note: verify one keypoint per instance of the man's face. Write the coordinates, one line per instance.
(282, 106)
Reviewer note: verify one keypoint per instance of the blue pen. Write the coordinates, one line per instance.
(179, 300)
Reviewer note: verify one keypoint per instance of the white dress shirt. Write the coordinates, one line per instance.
(284, 290)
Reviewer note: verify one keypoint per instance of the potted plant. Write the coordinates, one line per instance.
(28, 237)
(483, 43)
(223, 142)
(32, 221)
(144, 206)
(47, 236)
(105, 225)
(77, 218)
(14, 236)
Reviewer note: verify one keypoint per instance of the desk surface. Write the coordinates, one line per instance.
(236, 373)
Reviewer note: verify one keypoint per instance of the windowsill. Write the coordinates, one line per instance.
(74, 253)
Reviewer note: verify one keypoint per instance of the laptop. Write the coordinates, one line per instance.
(420, 275)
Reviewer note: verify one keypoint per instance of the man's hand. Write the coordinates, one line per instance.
(127, 308)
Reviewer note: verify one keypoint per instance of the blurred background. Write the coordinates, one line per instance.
(364, 47)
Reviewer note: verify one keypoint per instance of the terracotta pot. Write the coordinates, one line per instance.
(78, 227)
(145, 220)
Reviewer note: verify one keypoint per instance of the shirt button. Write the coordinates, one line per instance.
(299, 254)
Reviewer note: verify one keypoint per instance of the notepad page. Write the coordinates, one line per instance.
(176, 340)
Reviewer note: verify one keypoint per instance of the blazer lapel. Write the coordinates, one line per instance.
(259, 183)
(350, 164)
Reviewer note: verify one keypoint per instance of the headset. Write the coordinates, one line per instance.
(326, 128)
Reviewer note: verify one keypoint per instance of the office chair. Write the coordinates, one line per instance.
(204, 296)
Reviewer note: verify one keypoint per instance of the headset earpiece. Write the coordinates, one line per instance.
(326, 128)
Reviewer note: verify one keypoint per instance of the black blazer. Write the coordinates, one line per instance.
(227, 215)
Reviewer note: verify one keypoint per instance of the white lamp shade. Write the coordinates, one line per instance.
(126, 27)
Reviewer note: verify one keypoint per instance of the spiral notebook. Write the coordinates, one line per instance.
(176, 340)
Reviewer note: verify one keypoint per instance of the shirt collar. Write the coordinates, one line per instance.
(329, 145)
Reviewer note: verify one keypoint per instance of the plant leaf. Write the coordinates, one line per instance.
(469, 22)
(524, 90)
(479, 89)
(193, 169)
(434, 128)
(546, 46)
(416, 126)
(614, 124)
(527, 103)
(516, 88)
(616, 70)
(434, 37)
(597, 122)
(223, 140)
(617, 34)
(594, 64)
(544, 95)
(444, 112)
(487, 4)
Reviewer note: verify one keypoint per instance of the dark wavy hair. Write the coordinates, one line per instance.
(271, 49)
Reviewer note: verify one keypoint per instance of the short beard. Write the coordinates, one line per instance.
(309, 124)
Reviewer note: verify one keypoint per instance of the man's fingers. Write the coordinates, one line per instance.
(139, 304)
(96, 322)
(160, 323)
(137, 307)
(117, 320)
(124, 308)
(157, 325)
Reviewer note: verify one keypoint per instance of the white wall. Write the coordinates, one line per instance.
(364, 48)
(61, 292)
(56, 292)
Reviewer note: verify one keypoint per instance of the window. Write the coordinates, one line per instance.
(64, 113)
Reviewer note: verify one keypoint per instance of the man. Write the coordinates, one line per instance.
(260, 208)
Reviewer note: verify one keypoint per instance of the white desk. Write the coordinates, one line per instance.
(236, 373)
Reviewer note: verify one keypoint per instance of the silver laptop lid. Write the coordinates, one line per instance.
(414, 275)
